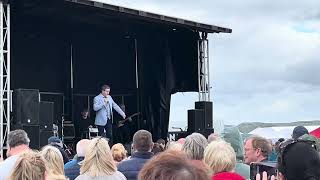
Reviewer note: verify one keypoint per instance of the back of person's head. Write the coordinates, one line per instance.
(161, 141)
(299, 131)
(261, 143)
(213, 137)
(174, 146)
(30, 166)
(142, 141)
(98, 160)
(194, 146)
(157, 148)
(171, 165)
(299, 160)
(118, 151)
(53, 140)
(220, 157)
(54, 160)
(82, 147)
(18, 137)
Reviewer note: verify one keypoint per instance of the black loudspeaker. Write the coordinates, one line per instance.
(206, 106)
(196, 120)
(33, 134)
(44, 136)
(46, 115)
(26, 106)
(68, 131)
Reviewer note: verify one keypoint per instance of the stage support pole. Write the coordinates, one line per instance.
(5, 94)
(203, 68)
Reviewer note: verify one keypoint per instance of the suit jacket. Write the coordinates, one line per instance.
(104, 110)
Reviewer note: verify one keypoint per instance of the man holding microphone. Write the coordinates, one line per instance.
(103, 105)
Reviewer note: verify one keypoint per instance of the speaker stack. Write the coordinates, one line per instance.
(33, 116)
(200, 119)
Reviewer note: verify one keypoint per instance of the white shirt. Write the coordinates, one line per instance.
(7, 166)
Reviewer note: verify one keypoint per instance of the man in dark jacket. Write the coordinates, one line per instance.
(142, 146)
(72, 168)
(56, 142)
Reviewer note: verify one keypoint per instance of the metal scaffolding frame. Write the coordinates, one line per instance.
(5, 93)
(203, 68)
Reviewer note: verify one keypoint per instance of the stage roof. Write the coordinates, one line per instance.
(147, 16)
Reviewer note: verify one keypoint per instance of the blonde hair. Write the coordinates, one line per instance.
(220, 157)
(118, 152)
(54, 160)
(30, 166)
(173, 145)
(98, 160)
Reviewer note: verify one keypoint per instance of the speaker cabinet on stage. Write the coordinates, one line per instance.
(46, 115)
(44, 136)
(206, 106)
(33, 134)
(26, 106)
(68, 131)
(196, 120)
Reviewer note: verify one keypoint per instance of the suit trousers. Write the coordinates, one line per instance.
(108, 128)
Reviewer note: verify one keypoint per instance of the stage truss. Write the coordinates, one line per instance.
(203, 68)
(5, 94)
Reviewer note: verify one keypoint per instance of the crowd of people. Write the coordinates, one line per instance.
(196, 157)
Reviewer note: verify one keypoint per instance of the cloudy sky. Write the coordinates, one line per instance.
(267, 70)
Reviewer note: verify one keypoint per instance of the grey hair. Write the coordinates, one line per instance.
(18, 137)
(194, 146)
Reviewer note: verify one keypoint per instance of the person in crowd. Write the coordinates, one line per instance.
(57, 143)
(299, 160)
(174, 145)
(103, 105)
(72, 168)
(213, 137)
(256, 149)
(181, 140)
(142, 146)
(157, 148)
(98, 163)
(233, 136)
(171, 165)
(194, 148)
(119, 153)
(18, 142)
(221, 159)
(29, 166)
(54, 161)
(161, 142)
(299, 131)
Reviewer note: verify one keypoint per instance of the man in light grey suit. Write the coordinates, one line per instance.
(103, 104)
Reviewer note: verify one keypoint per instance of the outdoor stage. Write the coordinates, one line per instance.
(67, 49)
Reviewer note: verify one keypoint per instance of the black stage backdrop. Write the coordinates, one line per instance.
(103, 52)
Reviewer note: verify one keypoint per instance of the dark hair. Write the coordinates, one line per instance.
(18, 137)
(261, 143)
(299, 131)
(171, 165)
(104, 87)
(299, 160)
(142, 141)
(161, 141)
(157, 148)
